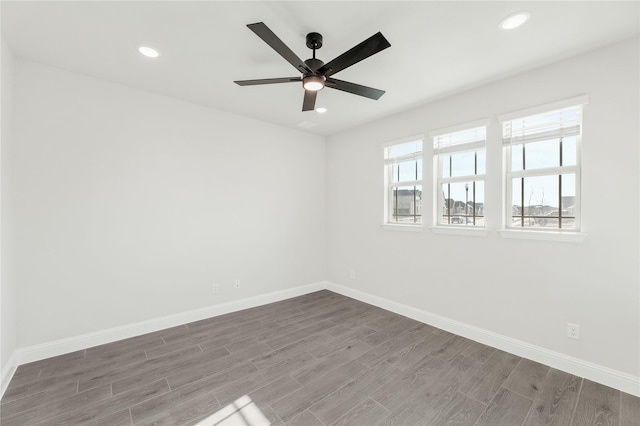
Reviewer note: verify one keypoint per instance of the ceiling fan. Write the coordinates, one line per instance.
(315, 73)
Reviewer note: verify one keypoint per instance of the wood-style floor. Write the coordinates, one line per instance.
(318, 359)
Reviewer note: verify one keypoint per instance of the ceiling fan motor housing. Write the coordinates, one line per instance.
(314, 64)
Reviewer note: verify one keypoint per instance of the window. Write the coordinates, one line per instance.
(403, 177)
(542, 156)
(460, 158)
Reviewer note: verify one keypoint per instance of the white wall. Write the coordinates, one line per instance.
(130, 205)
(522, 289)
(8, 315)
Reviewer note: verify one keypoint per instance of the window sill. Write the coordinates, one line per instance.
(402, 228)
(569, 236)
(454, 230)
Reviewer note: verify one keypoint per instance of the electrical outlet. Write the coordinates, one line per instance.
(573, 331)
(352, 274)
(236, 283)
(216, 288)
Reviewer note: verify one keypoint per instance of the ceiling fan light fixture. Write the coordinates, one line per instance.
(313, 83)
(514, 20)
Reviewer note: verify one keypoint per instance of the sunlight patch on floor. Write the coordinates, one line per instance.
(241, 412)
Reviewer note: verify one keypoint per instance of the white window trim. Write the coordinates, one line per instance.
(507, 231)
(460, 230)
(403, 227)
(441, 228)
(458, 127)
(539, 109)
(543, 235)
(392, 226)
(419, 136)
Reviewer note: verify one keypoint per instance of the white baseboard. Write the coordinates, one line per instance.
(597, 373)
(76, 343)
(7, 373)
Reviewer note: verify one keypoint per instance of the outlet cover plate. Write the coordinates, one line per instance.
(573, 331)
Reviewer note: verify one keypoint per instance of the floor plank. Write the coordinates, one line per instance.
(330, 362)
(407, 385)
(47, 408)
(305, 419)
(366, 413)
(338, 403)
(291, 405)
(629, 410)
(247, 384)
(556, 403)
(120, 418)
(597, 405)
(392, 348)
(506, 409)
(488, 379)
(527, 379)
(87, 413)
(458, 410)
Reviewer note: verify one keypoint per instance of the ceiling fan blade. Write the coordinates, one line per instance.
(356, 89)
(268, 81)
(370, 46)
(276, 44)
(309, 102)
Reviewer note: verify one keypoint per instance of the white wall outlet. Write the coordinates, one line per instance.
(236, 283)
(573, 331)
(216, 288)
(352, 274)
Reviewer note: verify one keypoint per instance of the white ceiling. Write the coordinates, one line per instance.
(437, 48)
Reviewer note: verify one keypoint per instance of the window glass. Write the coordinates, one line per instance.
(543, 170)
(460, 177)
(516, 157)
(407, 171)
(462, 203)
(406, 204)
(569, 151)
(481, 162)
(539, 155)
(463, 164)
(543, 201)
(403, 163)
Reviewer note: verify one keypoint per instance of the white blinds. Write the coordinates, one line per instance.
(467, 139)
(549, 125)
(403, 152)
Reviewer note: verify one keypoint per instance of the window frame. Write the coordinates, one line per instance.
(439, 180)
(389, 185)
(519, 231)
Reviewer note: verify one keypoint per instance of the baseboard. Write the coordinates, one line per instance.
(597, 373)
(7, 373)
(76, 343)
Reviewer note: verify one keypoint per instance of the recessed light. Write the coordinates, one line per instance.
(514, 20)
(149, 52)
(321, 110)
